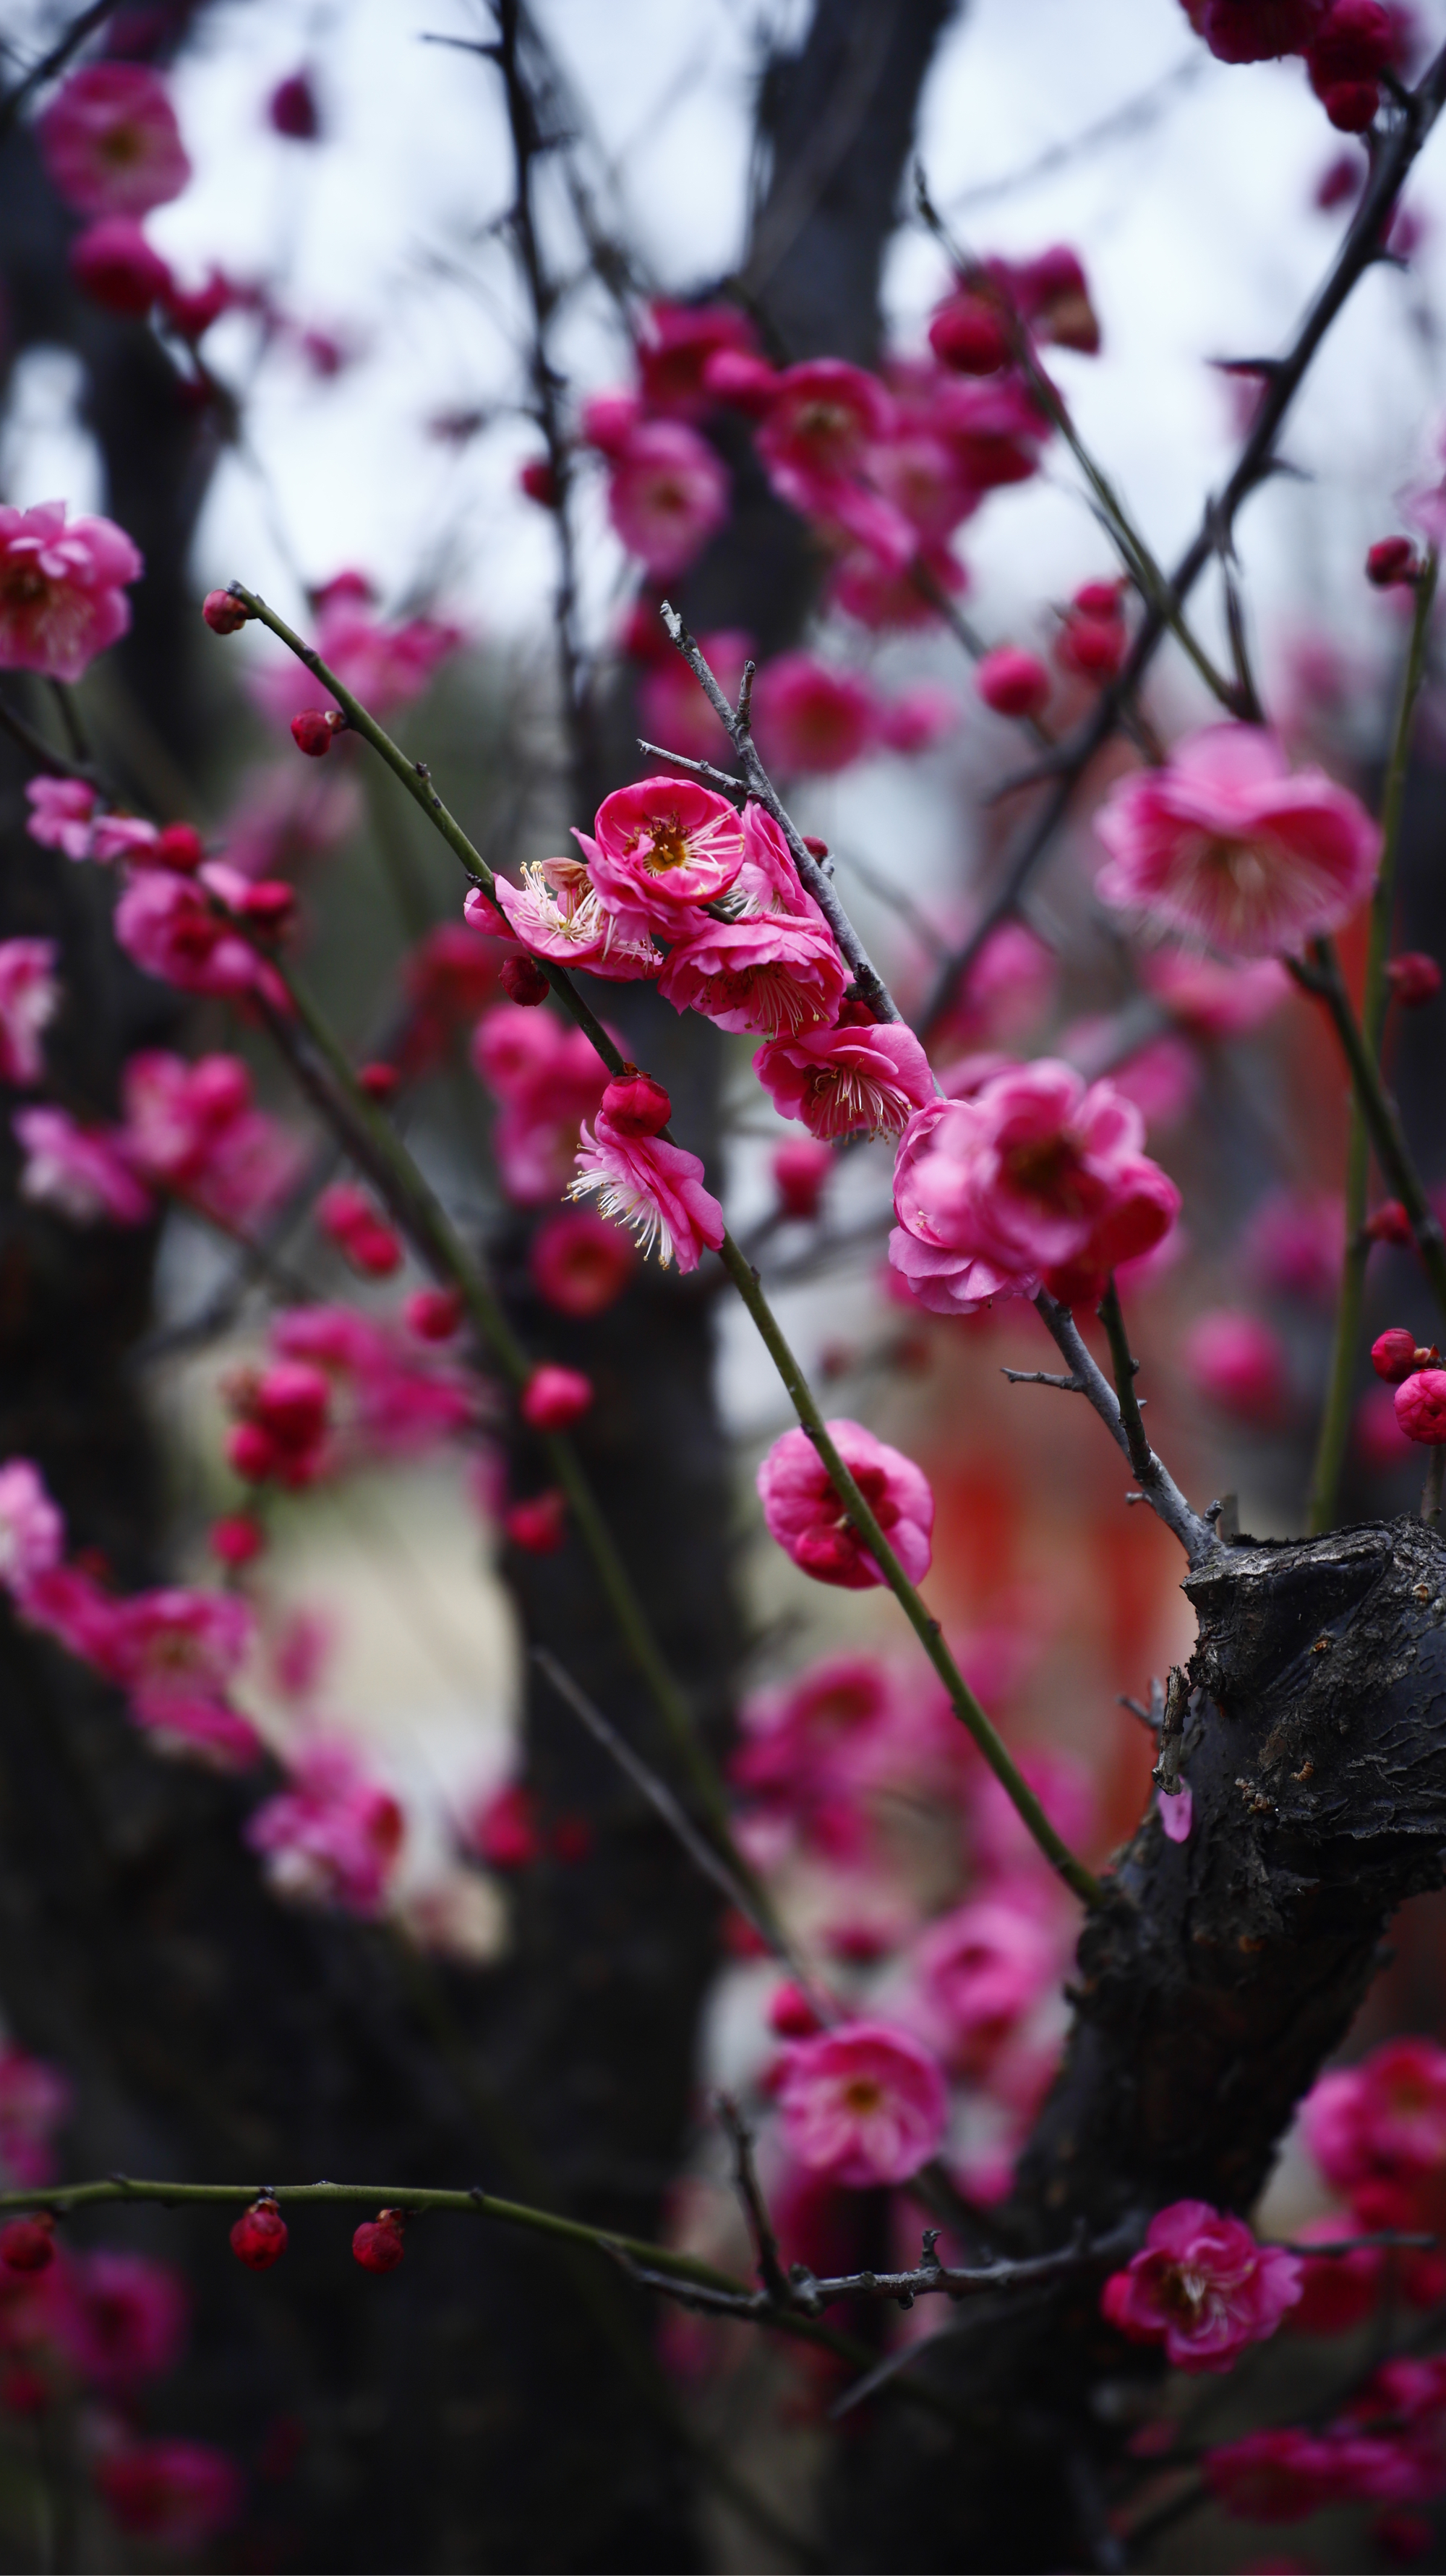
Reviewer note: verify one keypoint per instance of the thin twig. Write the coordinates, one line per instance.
(53, 62)
(1323, 977)
(1156, 1482)
(1126, 1369)
(750, 2192)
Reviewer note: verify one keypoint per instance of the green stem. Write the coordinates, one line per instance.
(966, 1707)
(1345, 1341)
(1383, 1126)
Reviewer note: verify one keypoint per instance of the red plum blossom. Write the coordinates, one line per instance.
(176, 2494)
(667, 494)
(579, 1264)
(866, 2104)
(675, 350)
(176, 1654)
(29, 995)
(61, 589)
(861, 1079)
(1229, 846)
(333, 1837)
(32, 1533)
(1421, 1406)
(981, 1971)
(811, 1524)
(110, 142)
(557, 913)
(660, 850)
(195, 1129)
(1202, 2286)
(1377, 2130)
(652, 1187)
(776, 973)
(809, 717)
(78, 1171)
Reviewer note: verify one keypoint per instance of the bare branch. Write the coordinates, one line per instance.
(1157, 1485)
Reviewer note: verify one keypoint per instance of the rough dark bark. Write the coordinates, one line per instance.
(1221, 1974)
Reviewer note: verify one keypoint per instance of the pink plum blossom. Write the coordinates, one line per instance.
(547, 1079)
(61, 589)
(67, 1603)
(32, 1533)
(1202, 2286)
(1006, 991)
(333, 1837)
(385, 665)
(918, 718)
(34, 2099)
(579, 1264)
(557, 913)
(1377, 2130)
(863, 1078)
(806, 1747)
(195, 1129)
(1421, 1406)
(660, 850)
(652, 1187)
(61, 814)
(1295, 1243)
(125, 2319)
(78, 1171)
(1227, 846)
(667, 494)
(775, 968)
(29, 995)
(818, 442)
(811, 1524)
(674, 350)
(981, 1971)
(176, 1653)
(1236, 1361)
(882, 596)
(1036, 1177)
(175, 2494)
(808, 716)
(866, 2104)
(388, 1398)
(1215, 1001)
(166, 924)
(110, 142)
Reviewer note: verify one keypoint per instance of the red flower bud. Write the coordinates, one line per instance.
(816, 848)
(800, 1170)
(504, 1831)
(538, 481)
(524, 981)
(636, 1105)
(378, 1081)
(258, 2238)
(1421, 1406)
(115, 265)
(1342, 183)
(179, 847)
(292, 109)
(1093, 638)
(270, 903)
(790, 2014)
(377, 2244)
(572, 1839)
(1392, 562)
(312, 730)
(1353, 47)
(539, 1526)
(222, 613)
(1012, 682)
(553, 1397)
(28, 2244)
(1352, 106)
(433, 1314)
(1414, 978)
(1393, 1354)
(252, 1452)
(968, 334)
(236, 1539)
(1390, 1223)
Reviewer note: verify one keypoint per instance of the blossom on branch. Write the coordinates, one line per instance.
(61, 815)
(194, 1129)
(557, 913)
(547, 1078)
(32, 1533)
(667, 493)
(810, 717)
(660, 850)
(61, 589)
(866, 2104)
(1228, 846)
(110, 142)
(810, 1520)
(652, 1187)
(29, 995)
(332, 1838)
(860, 1078)
(78, 1171)
(176, 1653)
(777, 973)
(170, 928)
(1202, 2287)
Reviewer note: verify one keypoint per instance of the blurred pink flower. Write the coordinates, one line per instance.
(1224, 843)
(660, 850)
(1236, 1361)
(1217, 1001)
(29, 995)
(1382, 2124)
(883, 597)
(579, 1264)
(810, 717)
(1378, 1439)
(389, 1398)
(981, 1972)
(386, 666)
(176, 2494)
(333, 1837)
(34, 2099)
(78, 1171)
(110, 141)
(671, 704)
(667, 495)
(1000, 1844)
(167, 925)
(674, 348)
(863, 1078)
(805, 1515)
(195, 1129)
(1285, 2473)
(32, 1532)
(61, 589)
(176, 1653)
(1202, 2286)
(1338, 2291)
(1006, 992)
(817, 445)
(61, 815)
(652, 1187)
(1037, 1176)
(866, 2104)
(919, 718)
(1295, 1243)
(547, 1079)
(124, 2321)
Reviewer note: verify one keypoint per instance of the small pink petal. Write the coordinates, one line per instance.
(1177, 1814)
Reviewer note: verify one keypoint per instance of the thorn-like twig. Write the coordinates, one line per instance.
(750, 2192)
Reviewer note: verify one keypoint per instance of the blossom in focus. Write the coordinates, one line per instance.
(652, 1187)
(1036, 1177)
(660, 850)
(34, 2099)
(1420, 1403)
(61, 812)
(333, 1837)
(61, 589)
(1202, 2286)
(176, 1653)
(810, 1521)
(862, 1078)
(667, 494)
(176, 2494)
(1226, 845)
(579, 1264)
(195, 1129)
(866, 2104)
(546, 1078)
(810, 717)
(1236, 1361)
(29, 994)
(557, 912)
(77, 1170)
(776, 973)
(110, 142)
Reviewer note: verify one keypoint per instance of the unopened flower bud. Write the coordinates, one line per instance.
(1012, 682)
(378, 1081)
(523, 980)
(553, 1397)
(377, 2244)
(179, 847)
(1352, 106)
(968, 334)
(1421, 1406)
(258, 2238)
(537, 479)
(236, 1539)
(252, 1452)
(800, 1170)
(223, 612)
(313, 729)
(1414, 978)
(1392, 562)
(816, 848)
(292, 109)
(433, 1314)
(28, 2244)
(539, 1526)
(1390, 1223)
(636, 1105)
(790, 2014)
